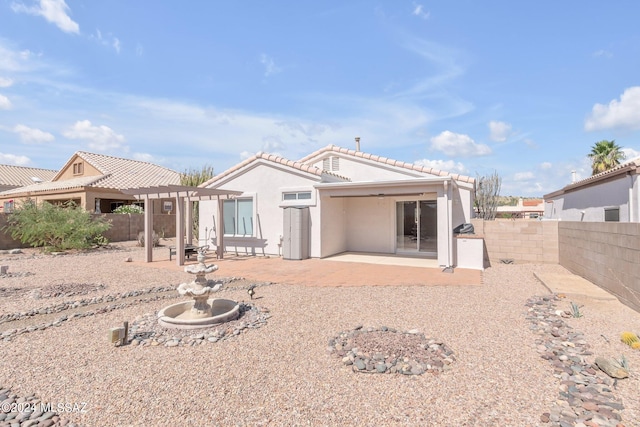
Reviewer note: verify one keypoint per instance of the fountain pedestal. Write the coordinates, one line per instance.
(201, 311)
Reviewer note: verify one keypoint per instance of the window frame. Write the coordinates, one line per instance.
(311, 201)
(247, 197)
(78, 168)
(611, 210)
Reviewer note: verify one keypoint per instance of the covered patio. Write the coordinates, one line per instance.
(184, 197)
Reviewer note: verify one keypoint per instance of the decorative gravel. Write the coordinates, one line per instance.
(281, 375)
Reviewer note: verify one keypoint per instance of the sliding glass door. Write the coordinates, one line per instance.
(416, 227)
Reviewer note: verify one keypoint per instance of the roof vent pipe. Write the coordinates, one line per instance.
(357, 143)
(573, 176)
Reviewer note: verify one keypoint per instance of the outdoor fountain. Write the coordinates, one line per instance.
(202, 311)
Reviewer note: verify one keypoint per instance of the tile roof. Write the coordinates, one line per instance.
(632, 166)
(397, 163)
(117, 173)
(275, 159)
(83, 181)
(19, 176)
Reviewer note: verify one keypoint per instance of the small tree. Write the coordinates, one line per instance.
(605, 155)
(56, 227)
(487, 192)
(193, 178)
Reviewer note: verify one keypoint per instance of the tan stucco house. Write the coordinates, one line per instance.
(339, 200)
(613, 195)
(94, 182)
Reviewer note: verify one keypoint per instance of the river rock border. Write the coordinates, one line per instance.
(585, 394)
(146, 331)
(30, 411)
(387, 351)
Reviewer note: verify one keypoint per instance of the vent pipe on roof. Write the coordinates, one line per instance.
(357, 143)
(573, 176)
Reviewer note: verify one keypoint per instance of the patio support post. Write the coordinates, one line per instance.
(220, 229)
(148, 228)
(189, 221)
(179, 230)
(449, 201)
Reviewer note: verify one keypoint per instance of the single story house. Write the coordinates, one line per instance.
(613, 195)
(94, 182)
(526, 208)
(338, 200)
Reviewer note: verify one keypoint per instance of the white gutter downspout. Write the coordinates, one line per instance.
(447, 198)
(632, 211)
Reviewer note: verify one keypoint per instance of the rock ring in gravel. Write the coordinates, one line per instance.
(387, 351)
(145, 330)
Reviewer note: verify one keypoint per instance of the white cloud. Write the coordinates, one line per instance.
(456, 144)
(499, 131)
(523, 176)
(270, 66)
(28, 134)
(101, 138)
(602, 54)
(11, 159)
(5, 103)
(443, 165)
(5, 82)
(418, 10)
(623, 114)
(545, 165)
(54, 11)
(246, 154)
(139, 50)
(109, 40)
(630, 153)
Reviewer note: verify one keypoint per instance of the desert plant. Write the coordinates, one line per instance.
(487, 193)
(629, 338)
(193, 178)
(156, 239)
(128, 209)
(575, 310)
(624, 362)
(55, 227)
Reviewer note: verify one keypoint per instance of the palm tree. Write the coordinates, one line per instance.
(605, 155)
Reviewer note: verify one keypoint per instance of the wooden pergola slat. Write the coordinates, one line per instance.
(180, 193)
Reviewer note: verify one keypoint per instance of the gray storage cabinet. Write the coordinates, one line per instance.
(295, 237)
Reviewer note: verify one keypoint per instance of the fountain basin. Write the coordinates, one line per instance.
(179, 315)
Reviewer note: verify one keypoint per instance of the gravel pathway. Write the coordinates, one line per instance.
(282, 373)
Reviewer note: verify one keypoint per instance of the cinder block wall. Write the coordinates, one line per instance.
(521, 240)
(605, 253)
(123, 227)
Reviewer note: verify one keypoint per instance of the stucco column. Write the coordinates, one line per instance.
(189, 221)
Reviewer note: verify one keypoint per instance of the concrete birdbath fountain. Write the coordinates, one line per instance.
(201, 311)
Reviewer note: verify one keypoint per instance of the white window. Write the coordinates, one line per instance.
(237, 216)
(8, 206)
(298, 195)
(612, 214)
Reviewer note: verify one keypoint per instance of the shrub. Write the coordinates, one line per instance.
(128, 209)
(56, 227)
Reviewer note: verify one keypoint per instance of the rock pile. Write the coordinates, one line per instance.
(385, 350)
(585, 396)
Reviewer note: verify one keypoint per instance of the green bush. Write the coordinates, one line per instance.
(128, 209)
(56, 227)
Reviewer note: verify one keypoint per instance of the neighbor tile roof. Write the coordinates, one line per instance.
(410, 166)
(117, 173)
(19, 176)
(632, 166)
(275, 159)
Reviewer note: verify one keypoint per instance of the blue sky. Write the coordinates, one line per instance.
(521, 88)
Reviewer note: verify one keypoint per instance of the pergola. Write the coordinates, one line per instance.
(181, 194)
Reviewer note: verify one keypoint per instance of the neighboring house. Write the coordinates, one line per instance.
(613, 195)
(19, 176)
(526, 208)
(339, 200)
(93, 181)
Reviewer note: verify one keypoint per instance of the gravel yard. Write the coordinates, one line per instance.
(282, 372)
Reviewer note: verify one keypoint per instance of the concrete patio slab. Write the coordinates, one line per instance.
(571, 284)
